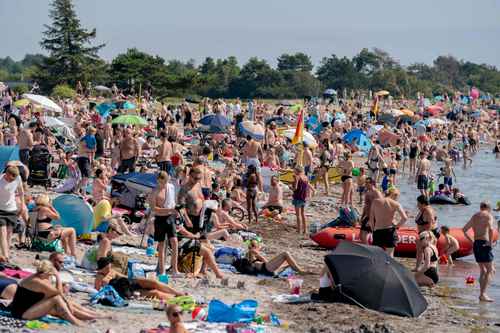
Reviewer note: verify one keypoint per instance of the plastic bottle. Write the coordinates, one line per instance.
(150, 250)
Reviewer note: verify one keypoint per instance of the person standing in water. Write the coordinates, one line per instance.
(481, 224)
(423, 173)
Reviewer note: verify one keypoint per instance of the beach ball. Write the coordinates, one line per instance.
(355, 172)
(470, 280)
(199, 313)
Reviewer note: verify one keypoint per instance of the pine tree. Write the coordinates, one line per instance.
(71, 58)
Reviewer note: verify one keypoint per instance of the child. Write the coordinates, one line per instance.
(174, 316)
(451, 244)
(447, 173)
(90, 142)
(301, 189)
(361, 184)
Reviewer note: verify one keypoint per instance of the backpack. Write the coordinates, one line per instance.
(244, 266)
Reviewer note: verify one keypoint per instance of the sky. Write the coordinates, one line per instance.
(411, 31)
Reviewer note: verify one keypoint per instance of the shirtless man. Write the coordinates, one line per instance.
(129, 151)
(275, 201)
(382, 223)
(164, 155)
(482, 225)
(206, 176)
(252, 154)
(308, 160)
(162, 203)
(371, 194)
(26, 143)
(423, 173)
(271, 135)
(191, 198)
(225, 220)
(448, 173)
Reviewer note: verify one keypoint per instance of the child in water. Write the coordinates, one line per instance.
(451, 244)
(361, 184)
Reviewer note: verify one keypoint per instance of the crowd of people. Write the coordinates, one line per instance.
(195, 199)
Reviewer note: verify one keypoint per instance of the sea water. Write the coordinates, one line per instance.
(479, 183)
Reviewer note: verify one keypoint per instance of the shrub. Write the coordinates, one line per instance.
(63, 91)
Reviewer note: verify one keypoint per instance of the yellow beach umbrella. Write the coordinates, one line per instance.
(407, 112)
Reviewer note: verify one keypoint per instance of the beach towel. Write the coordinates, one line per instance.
(16, 273)
(108, 296)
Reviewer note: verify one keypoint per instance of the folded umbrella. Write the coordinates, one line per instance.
(374, 280)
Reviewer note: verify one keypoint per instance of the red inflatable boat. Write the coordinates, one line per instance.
(330, 237)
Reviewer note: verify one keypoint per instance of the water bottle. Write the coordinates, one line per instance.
(150, 250)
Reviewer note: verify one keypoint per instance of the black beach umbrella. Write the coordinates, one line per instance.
(375, 280)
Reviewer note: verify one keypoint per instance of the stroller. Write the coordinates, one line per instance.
(39, 166)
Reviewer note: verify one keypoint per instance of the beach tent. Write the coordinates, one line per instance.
(372, 279)
(8, 153)
(105, 109)
(359, 138)
(314, 125)
(215, 120)
(75, 213)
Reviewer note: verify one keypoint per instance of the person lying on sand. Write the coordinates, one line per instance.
(269, 267)
(146, 287)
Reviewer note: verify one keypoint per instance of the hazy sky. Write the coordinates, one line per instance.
(411, 31)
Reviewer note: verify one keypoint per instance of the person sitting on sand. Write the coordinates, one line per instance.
(146, 287)
(269, 267)
(225, 220)
(427, 274)
(36, 297)
(451, 244)
(174, 316)
(274, 203)
(45, 214)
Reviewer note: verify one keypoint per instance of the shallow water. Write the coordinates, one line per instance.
(480, 183)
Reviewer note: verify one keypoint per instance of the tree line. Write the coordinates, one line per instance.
(72, 57)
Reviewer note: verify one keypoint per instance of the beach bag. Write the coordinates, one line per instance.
(40, 245)
(120, 262)
(244, 266)
(134, 270)
(190, 263)
(227, 255)
(108, 296)
(219, 312)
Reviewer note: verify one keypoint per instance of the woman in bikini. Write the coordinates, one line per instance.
(427, 273)
(269, 267)
(346, 167)
(426, 220)
(36, 297)
(45, 214)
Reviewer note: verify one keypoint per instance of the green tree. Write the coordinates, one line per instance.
(63, 91)
(295, 62)
(71, 58)
(338, 73)
(256, 79)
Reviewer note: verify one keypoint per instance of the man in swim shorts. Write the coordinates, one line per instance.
(423, 172)
(481, 224)
(371, 194)
(382, 214)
